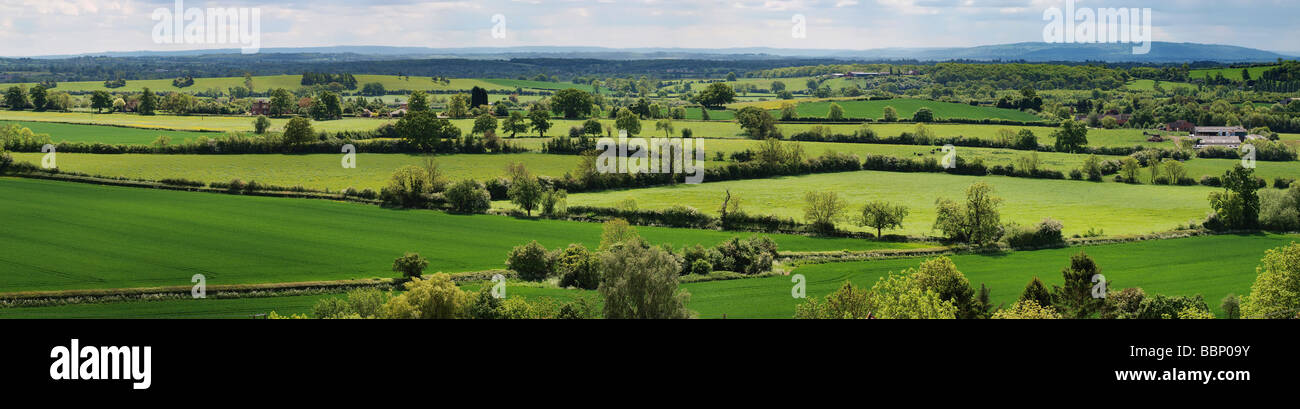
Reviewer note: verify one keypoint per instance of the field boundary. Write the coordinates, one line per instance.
(226, 291)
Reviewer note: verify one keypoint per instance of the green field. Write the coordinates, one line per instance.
(114, 135)
(1230, 73)
(68, 235)
(907, 108)
(1113, 207)
(1212, 266)
(316, 171)
(1149, 85)
(185, 123)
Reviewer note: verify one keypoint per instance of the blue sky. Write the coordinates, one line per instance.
(41, 27)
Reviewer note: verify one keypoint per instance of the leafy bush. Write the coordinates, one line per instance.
(747, 256)
(640, 281)
(434, 298)
(531, 261)
(578, 267)
(410, 265)
(484, 306)
(1027, 310)
(1045, 234)
(1160, 306)
(468, 196)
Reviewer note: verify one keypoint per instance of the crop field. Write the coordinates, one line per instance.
(185, 123)
(70, 236)
(1149, 85)
(1212, 266)
(1115, 208)
(61, 132)
(1230, 73)
(316, 171)
(907, 108)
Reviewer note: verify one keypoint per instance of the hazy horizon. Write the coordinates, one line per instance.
(69, 27)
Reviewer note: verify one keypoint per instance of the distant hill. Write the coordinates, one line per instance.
(1161, 52)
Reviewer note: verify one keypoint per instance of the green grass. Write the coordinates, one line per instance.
(61, 132)
(185, 123)
(697, 113)
(62, 235)
(316, 171)
(1230, 73)
(1149, 85)
(907, 108)
(211, 308)
(1212, 266)
(543, 85)
(1113, 207)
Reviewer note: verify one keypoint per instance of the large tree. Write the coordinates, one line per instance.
(16, 98)
(418, 101)
(757, 122)
(1276, 292)
(539, 119)
(425, 130)
(716, 94)
(1071, 137)
(1075, 299)
(640, 281)
(882, 215)
(101, 100)
(148, 103)
(298, 130)
(628, 121)
(975, 221)
(515, 123)
(281, 102)
(1237, 207)
(571, 103)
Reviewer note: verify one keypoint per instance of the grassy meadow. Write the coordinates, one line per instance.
(1114, 208)
(63, 235)
(907, 107)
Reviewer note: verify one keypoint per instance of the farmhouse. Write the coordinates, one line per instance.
(260, 107)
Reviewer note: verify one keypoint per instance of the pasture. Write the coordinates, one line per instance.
(907, 107)
(61, 132)
(63, 235)
(1212, 266)
(1230, 73)
(1116, 208)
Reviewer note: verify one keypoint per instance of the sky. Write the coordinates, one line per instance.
(49, 27)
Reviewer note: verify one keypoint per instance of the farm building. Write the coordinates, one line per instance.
(1236, 131)
(1221, 136)
(260, 107)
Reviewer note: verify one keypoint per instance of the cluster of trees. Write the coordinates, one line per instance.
(320, 78)
(934, 290)
(40, 98)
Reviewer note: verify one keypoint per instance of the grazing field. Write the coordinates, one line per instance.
(542, 85)
(185, 123)
(1113, 207)
(1229, 73)
(316, 171)
(61, 132)
(1149, 85)
(61, 235)
(702, 129)
(1212, 266)
(907, 107)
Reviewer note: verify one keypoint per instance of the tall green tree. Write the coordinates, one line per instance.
(515, 123)
(882, 215)
(1075, 299)
(1237, 207)
(1071, 137)
(571, 103)
(281, 102)
(640, 281)
(418, 101)
(716, 94)
(16, 98)
(976, 221)
(539, 120)
(298, 130)
(148, 103)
